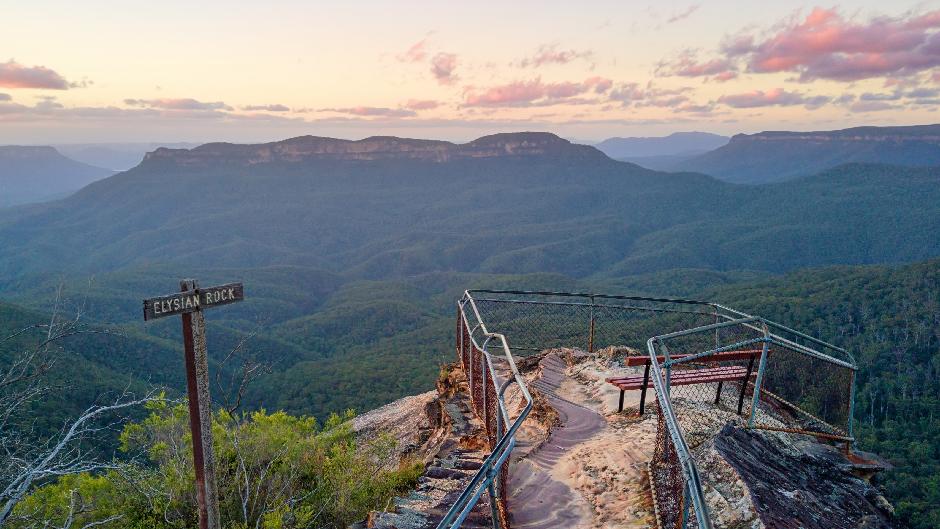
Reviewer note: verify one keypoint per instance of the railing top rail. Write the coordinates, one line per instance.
(588, 295)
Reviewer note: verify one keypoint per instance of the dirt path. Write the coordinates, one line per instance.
(589, 471)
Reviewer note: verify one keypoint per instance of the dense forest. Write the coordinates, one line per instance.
(373, 341)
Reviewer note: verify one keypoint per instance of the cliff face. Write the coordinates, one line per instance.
(438, 428)
(307, 148)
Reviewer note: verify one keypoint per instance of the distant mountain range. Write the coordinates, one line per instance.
(777, 156)
(509, 203)
(116, 156)
(678, 145)
(35, 174)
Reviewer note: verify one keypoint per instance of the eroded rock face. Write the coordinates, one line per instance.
(798, 483)
(438, 428)
(306, 148)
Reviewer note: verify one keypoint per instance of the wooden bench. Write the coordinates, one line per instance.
(685, 377)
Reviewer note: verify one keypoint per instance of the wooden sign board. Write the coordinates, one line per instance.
(193, 300)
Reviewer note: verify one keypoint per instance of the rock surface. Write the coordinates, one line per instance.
(438, 428)
(797, 483)
(306, 148)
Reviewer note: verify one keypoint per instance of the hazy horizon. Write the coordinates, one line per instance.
(217, 72)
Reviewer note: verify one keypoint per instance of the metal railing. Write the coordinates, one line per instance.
(796, 383)
(488, 401)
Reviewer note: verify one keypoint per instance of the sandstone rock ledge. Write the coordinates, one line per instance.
(438, 428)
(579, 464)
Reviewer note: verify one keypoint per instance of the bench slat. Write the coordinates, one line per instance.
(699, 376)
(745, 354)
(685, 373)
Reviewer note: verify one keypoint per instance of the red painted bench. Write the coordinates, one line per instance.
(685, 377)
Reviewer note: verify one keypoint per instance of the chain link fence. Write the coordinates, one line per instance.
(707, 363)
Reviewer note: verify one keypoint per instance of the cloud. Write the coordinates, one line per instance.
(632, 94)
(536, 93)
(416, 53)
(682, 15)
(686, 64)
(276, 107)
(550, 54)
(872, 106)
(826, 45)
(422, 104)
(177, 104)
(5, 97)
(443, 66)
(267, 108)
(373, 112)
(775, 97)
(15, 75)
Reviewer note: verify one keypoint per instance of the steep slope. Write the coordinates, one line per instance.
(776, 156)
(515, 203)
(116, 156)
(34, 174)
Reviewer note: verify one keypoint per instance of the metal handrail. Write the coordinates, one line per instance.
(661, 385)
(485, 477)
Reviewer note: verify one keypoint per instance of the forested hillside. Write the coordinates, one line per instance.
(524, 203)
(777, 156)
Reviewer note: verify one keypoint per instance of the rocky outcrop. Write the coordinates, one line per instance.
(306, 148)
(797, 483)
(579, 464)
(438, 428)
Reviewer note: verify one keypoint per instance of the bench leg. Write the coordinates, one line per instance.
(747, 377)
(646, 380)
(718, 393)
(620, 409)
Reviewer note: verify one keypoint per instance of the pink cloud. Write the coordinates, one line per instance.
(682, 15)
(826, 45)
(687, 65)
(422, 104)
(725, 76)
(550, 54)
(177, 104)
(267, 108)
(650, 96)
(443, 66)
(536, 93)
(416, 53)
(373, 112)
(775, 97)
(15, 75)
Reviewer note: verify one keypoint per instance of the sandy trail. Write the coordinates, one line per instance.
(589, 471)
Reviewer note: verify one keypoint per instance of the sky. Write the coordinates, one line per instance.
(126, 71)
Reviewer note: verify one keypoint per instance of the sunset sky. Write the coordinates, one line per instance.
(96, 71)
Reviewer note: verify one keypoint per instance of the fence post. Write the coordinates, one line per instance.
(494, 508)
(685, 505)
(850, 428)
(755, 401)
(460, 331)
(483, 383)
(591, 333)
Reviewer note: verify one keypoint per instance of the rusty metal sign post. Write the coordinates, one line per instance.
(190, 303)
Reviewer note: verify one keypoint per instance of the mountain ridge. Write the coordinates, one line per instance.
(373, 148)
(677, 143)
(773, 156)
(36, 173)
